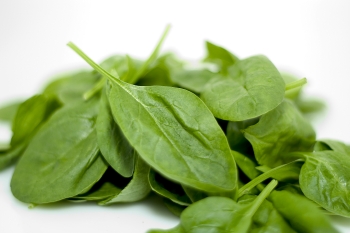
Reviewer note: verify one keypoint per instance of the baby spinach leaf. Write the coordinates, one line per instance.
(70, 88)
(182, 134)
(11, 155)
(193, 80)
(324, 178)
(255, 89)
(138, 187)
(62, 159)
(109, 185)
(221, 214)
(268, 220)
(173, 207)
(302, 214)
(30, 115)
(8, 112)
(246, 164)
(279, 132)
(114, 147)
(168, 189)
(236, 137)
(194, 194)
(219, 56)
(335, 146)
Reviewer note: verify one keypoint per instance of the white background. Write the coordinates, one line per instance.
(309, 38)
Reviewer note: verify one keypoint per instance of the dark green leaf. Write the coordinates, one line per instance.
(168, 189)
(138, 187)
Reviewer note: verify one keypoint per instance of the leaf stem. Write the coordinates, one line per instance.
(95, 89)
(264, 176)
(296, 84)
(94, 65)
(262, 196)
(151, 58)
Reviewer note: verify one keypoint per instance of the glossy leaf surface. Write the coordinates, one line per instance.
(114, 147)
(62, 159)
(182, 134)
(325, 179)
(255, 89)
(279, 132)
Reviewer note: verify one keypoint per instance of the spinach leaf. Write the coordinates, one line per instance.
(324, 178)
(302, 214)
(255, 88)
(8, 112)
(236, 137)
(110, 184)
(219, 56)
(182, 134)
(49, 172)
(195, 194)
(246, 164)
(221, 214)
(268, 220)
(30, 115)
(11, 155)
(335, 146)
(168, 189)
(194, 80)
(173, 207)
(114, 147)
(138, 187)
(70, 88)
(279, 132)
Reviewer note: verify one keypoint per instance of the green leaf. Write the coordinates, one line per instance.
(168, 189)
(137, 189)
(8, 112)
(221, 214)
(110, 184)
(219, 56)
(70, 88)
(11, 155)
(325, 178)
(114, 147)
(246, 164)
(302, 214)
(173, 207)
(62, 159)
(255, 88)
(279, 132)
(182, 134)
(193, 80)
(30, 115)
(268, 220)
(235, 136)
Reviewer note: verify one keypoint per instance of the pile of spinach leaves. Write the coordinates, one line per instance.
(228, 144)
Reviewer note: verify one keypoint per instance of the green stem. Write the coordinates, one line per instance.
(95, 89)
(262, 196)
(151, 58)
(265, 176)
(296, 84)
(94, 65)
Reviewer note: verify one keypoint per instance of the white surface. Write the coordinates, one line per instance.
(309, 38)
